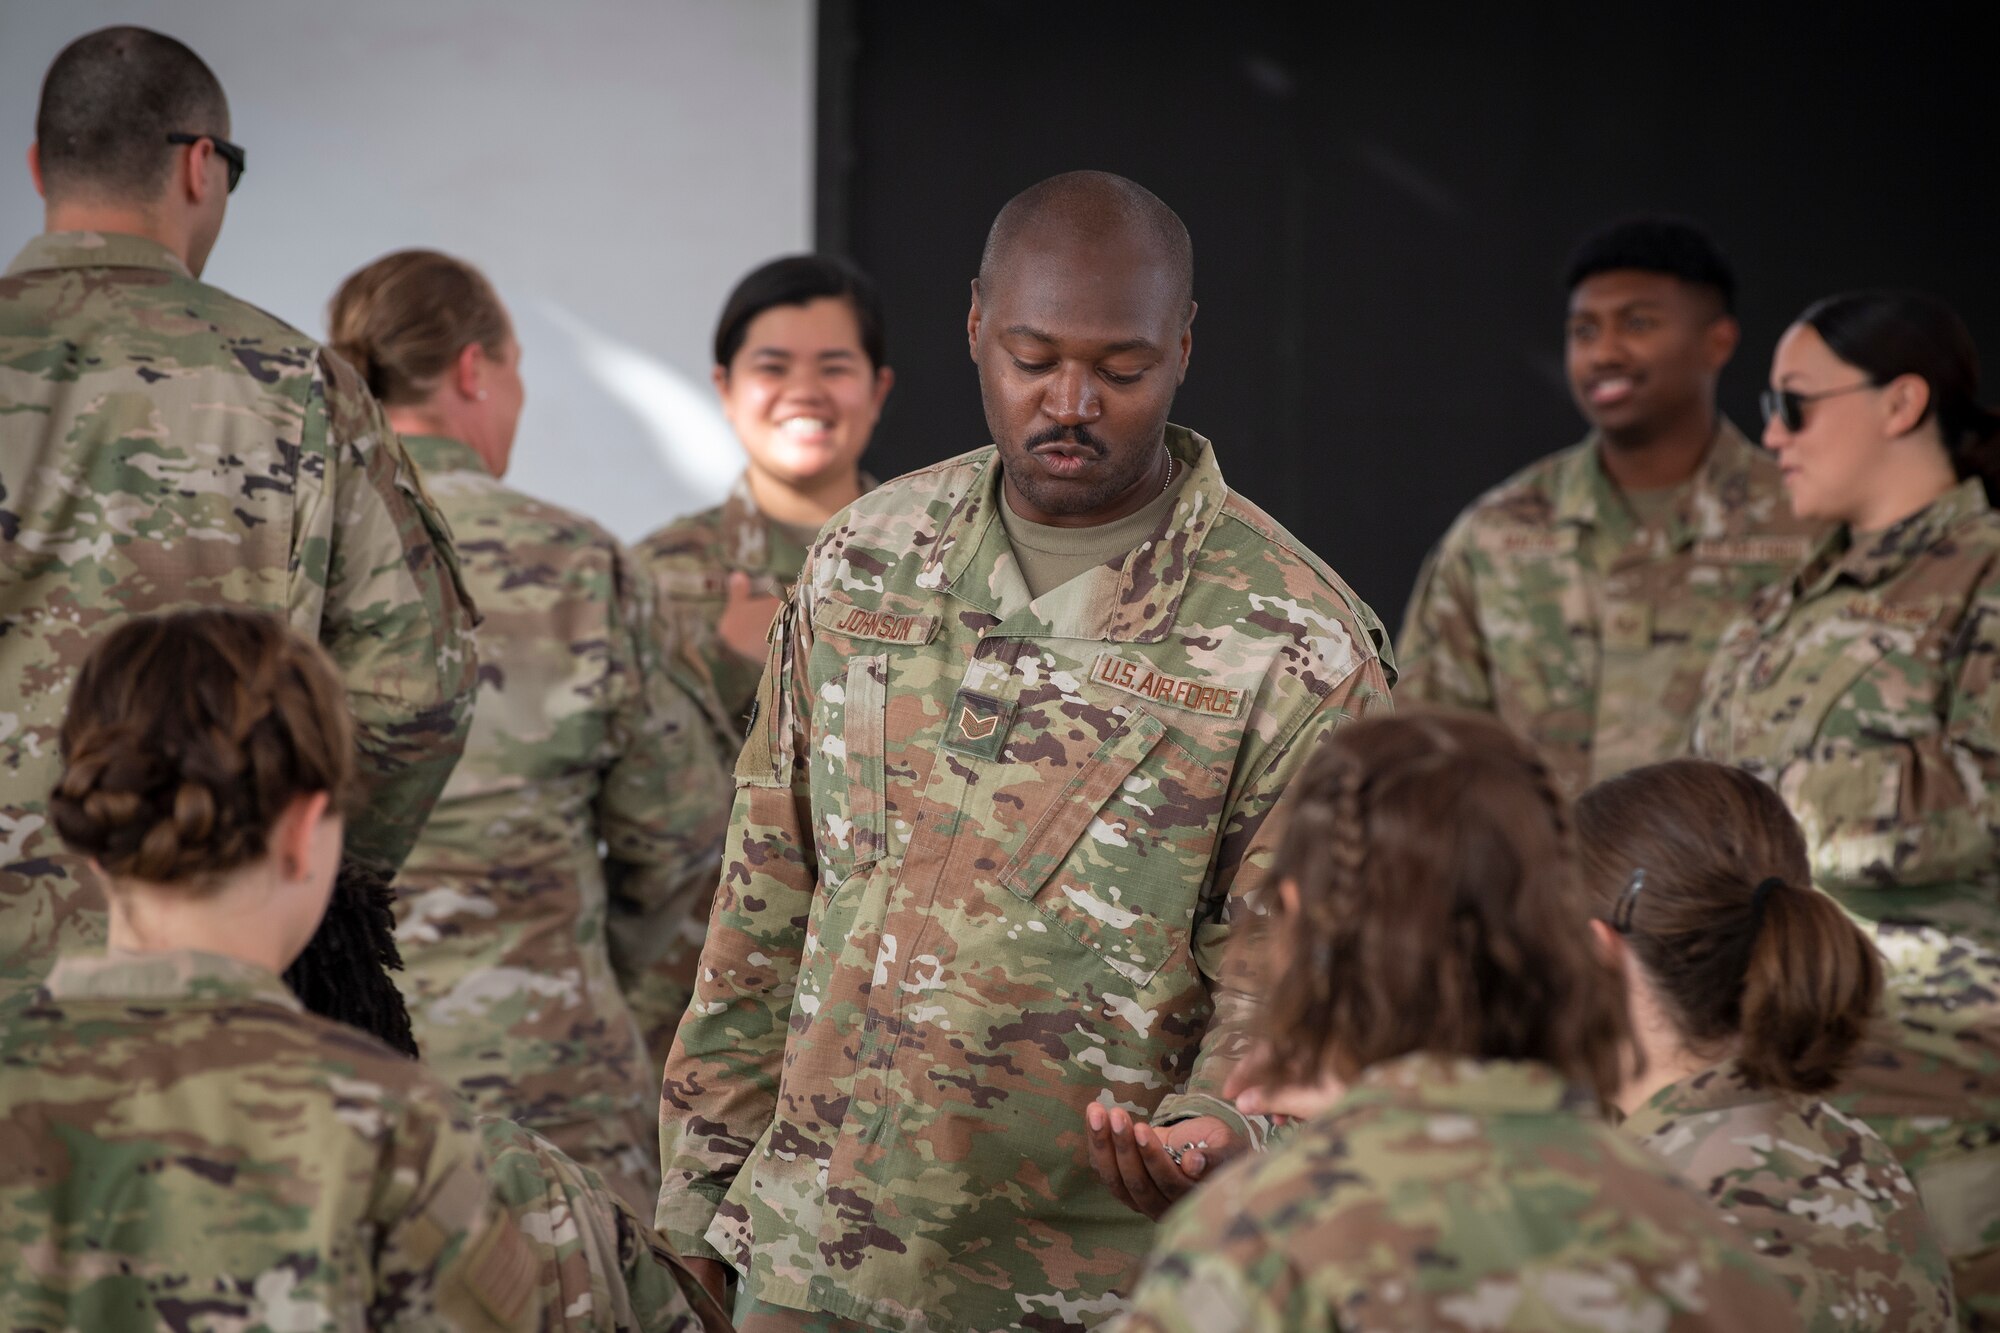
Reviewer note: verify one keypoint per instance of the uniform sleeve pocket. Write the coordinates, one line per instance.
(1110, 861)
(847, 773)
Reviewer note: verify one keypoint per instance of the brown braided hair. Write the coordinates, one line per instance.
(1742, 951)
(187, 736)
(1439, 909)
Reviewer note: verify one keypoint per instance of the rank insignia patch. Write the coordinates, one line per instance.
(978, 725)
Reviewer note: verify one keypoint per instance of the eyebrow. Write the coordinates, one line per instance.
(841, 353)
(1109, 349)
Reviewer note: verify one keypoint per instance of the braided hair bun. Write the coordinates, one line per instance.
(187, 736)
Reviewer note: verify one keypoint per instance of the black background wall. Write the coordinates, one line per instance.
(1382, 198)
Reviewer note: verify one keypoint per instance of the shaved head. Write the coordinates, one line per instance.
(1089, 210)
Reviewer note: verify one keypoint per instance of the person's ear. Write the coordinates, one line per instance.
(292, 836)
(972, 323)
(1187, 343)
(1611, 947)
(1720, 342)
(1288, 896)
(199, 182)
(1907, 399)
(469, 371)
(719, 377)
(885, 380)
(35, 168)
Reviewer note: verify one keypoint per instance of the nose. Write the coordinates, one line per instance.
(1776, 437)
(1072, 397)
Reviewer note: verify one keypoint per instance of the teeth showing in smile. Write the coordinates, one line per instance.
(805, 425)
(1611, 389)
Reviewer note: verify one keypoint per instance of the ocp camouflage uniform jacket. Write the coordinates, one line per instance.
(1866, 690)
(516, 932)
(163, 446)
(690, 561)
(1549, 605)
(1817, 1196)
(985, 857)
(1449, 1194)
(182, 1146)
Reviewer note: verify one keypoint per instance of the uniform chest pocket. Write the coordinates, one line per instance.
(1119, 859)
(847, 767)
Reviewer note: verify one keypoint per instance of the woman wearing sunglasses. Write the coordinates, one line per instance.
(1751, 994)
(1866, 690)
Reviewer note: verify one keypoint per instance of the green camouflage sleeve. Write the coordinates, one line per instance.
(599, 1266)
(1931, 754)
(661, 811)
(1442, 656)
(395, 617)
(1251, 833)
(722, 1070)
(446, 1250)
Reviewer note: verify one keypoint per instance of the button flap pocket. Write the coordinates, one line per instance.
(1098, 865)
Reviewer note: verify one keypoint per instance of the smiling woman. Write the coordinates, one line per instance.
(801, 366)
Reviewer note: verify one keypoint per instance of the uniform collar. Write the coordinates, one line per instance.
(95, 249)
(746, 538)
(1453, 1083)
(1131, 603)
(434, 454)
(1718, 1088)
(1878, 557)
(179, 975)
(1585, 495)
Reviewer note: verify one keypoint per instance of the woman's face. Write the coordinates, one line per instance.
(1840, 456)
(801, 393)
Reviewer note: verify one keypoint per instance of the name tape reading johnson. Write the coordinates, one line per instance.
(882, 626)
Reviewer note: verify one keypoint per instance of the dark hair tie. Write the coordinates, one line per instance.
(1758, 896)
(1628, 902)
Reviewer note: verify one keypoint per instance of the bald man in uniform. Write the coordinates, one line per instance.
(1014, 774)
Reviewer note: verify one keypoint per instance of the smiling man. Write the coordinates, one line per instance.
(1581, 599)
(1015, 771)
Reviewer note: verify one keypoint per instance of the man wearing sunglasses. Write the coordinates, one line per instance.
(165, 445)
(1581, 599)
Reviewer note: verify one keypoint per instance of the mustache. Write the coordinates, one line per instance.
(1078, 435)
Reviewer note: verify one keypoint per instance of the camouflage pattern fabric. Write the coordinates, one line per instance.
(985, 858)
(1814, 1193)
(516, 933)
(1865, 690)
(183, 1147)
(1456, 1196)
(163, 446)
(1549, 605)
(690, 561)
(602, 1270)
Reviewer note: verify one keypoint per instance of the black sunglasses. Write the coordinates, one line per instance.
(1789, 406)
(231, 153)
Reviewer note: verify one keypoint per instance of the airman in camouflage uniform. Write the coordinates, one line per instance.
(691, 560)
(1580, 600)
(602, 1270)
(182, 1146)
(1549, 604)
(164, 445)
(516, 933)
(1864, 690)
(1453, 1194)
(984, 860)
(1818, 1196)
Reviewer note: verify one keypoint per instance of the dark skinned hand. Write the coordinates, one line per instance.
(1131, 1157)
